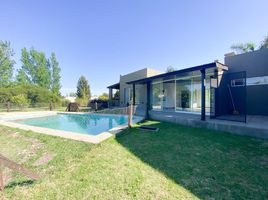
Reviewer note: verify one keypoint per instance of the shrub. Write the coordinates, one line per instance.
(34, 94)
(101, 104)
(73, 107)
(104, 97)
(82, 101)
(20, 100)
(65, 102)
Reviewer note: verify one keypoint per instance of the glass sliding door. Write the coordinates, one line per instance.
(169, 95)
(183, 94)
(189, 95)
(196, 94)
(128, 95)
(157, 96)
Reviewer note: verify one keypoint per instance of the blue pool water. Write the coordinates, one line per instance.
(91, 124)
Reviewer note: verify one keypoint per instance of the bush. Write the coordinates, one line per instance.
(82, 101)
(73, 107)
(104, 97)
(65, 102)
(101, 104)
(20, 100)
(35, 95)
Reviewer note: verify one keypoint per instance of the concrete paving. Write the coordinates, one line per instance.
(256, 126)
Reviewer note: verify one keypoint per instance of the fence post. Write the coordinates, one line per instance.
(50, 105)
(130, 115)
(8, 106)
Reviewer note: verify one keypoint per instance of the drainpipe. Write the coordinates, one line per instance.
(203, 95)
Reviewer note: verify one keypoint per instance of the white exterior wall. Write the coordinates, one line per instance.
(141, 94)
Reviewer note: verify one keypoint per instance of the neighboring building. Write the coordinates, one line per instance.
(231, 90)
(94, 97)
(71, 99)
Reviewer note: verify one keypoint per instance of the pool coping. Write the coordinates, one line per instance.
(95, 139)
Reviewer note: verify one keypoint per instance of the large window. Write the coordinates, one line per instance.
(128, 95)
(182, 93)
(188, 92)
(157, 96)
(169, 95)
(261, 80)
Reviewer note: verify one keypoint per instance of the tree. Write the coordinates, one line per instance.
(26, 74)
(117, 94)
(20, 100)
(243, 48)
(104, 97)
(22, 77)
(72, 94)
(35, 68)
(6, 63)
(42, 69)
(264, 43)
(170, 69)
(55, 79)
(83, 89)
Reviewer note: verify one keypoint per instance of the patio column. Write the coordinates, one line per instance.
(134, 94)
(203, 95)
(148, 99)
(110, 97)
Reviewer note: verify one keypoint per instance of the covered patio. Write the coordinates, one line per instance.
(112, 101)
(181, 91)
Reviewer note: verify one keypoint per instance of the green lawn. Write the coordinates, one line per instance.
(175, 163)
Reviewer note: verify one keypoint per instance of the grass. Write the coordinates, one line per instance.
(175, 163)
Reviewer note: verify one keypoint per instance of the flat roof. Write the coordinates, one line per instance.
(215, 64)
(115, 86)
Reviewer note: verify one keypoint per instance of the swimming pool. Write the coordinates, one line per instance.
(89, 124)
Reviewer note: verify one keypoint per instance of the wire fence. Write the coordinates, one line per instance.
(12, 107)
(138, 110)
(118, 111)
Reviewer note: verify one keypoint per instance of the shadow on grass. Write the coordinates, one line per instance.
(208, 163)
(20, 183)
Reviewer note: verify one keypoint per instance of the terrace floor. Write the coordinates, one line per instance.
(256, 126)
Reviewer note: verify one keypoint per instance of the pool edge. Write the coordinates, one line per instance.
(95, 139)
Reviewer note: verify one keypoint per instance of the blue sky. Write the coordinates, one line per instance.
(103, 39)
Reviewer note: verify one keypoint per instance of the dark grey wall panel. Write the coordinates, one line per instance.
(254, 63)
(257, 100)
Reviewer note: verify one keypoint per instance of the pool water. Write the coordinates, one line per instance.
(91, 124)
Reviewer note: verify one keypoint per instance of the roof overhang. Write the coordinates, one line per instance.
(217, 65)
(114, 86)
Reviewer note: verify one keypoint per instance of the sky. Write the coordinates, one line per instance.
(102, 39)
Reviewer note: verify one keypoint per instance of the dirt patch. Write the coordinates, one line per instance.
(34, 146)
(43, 159)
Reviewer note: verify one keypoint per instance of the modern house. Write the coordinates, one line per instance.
(126, 90)
(231, 91)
